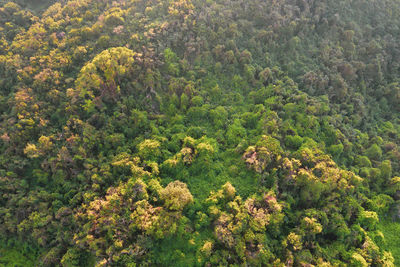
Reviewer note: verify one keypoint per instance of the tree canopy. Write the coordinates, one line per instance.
(200, 133)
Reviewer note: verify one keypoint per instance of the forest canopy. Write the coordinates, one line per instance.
(199, 133)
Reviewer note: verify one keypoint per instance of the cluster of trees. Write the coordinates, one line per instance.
(196, 132)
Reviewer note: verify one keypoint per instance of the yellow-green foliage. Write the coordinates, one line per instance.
(103, 75)
(176, 195)
(127, 216)
(200, 133)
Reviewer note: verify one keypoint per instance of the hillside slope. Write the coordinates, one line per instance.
(200, 132)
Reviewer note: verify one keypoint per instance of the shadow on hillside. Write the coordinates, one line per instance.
(37, 6)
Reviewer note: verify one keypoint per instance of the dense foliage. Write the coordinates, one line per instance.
(200, 133)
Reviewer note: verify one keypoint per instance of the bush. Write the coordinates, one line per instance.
(293, 142)
(374, 152)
